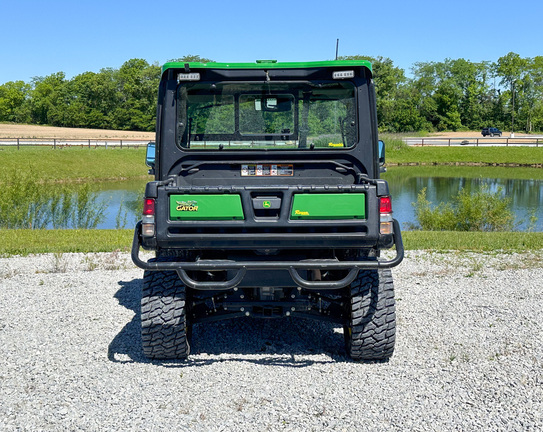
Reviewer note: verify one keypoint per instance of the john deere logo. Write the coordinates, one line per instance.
(266, 204)
(190, 206)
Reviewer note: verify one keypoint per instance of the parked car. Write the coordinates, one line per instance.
(491, 131)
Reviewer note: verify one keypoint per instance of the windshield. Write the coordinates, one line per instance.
(266, 115)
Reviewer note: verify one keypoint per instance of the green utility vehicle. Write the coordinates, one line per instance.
(267, 203)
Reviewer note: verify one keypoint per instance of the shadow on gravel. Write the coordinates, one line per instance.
(126, 346)
(278, 342)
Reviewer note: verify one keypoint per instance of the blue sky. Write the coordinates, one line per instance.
(38, 38)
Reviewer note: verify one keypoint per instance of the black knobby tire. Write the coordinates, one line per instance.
(371, 332)
(164, 327)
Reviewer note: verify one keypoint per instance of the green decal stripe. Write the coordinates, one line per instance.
(329, 206)
(205, 207)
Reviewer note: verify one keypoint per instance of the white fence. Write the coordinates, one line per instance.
(132, 143)
(57, 143)
(478, 142)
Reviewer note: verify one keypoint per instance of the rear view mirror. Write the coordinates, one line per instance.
(274, 104)
(382, 155)
(150, 157)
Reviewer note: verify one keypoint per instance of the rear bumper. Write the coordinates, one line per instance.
(292, 266)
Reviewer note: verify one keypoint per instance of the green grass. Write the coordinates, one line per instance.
(464, 155)
(24, 242)
(397, 173)
(473, 241)
(83, 164)
(75, 164)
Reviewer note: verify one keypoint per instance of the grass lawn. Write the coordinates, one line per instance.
(82, 164)
(75, 164)
(24, 242)
(499, 155)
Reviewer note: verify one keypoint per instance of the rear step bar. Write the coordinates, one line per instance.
(291, 266)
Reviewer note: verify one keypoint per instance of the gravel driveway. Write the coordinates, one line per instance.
(469, 355)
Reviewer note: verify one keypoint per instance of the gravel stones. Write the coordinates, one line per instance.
(469, 355)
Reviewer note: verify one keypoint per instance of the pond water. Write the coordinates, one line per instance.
(122, 200)
(405, 183)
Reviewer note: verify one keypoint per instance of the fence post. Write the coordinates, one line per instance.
(89, 144)
(449, 142)
(121, 144)
(54, 143)
(18, 143)
(422, 142)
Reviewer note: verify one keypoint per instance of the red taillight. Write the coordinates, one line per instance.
(385, 205)
(148, 206)
(385, 215)
(148, 219)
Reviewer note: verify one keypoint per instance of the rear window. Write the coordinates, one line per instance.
(246, 116)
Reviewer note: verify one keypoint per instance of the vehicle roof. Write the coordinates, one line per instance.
(269, 64)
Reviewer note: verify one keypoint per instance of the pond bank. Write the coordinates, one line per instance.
(468, 164)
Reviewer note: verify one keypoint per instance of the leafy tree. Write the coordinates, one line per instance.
(512, 68)
(47, 99)
(388, 80)
(454, 94)
(93, 96)
(137, 85)
(191, 58)
(14, 102)
(448, 95)
(536, 73)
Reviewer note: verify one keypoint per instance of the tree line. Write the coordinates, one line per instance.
(451, 95)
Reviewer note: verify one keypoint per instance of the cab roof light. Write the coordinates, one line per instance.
(343, 74)
(191, 76)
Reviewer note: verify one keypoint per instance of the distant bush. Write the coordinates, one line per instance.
(393, 142)
(480, 210)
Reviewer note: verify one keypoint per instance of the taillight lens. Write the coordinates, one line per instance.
(385, 213)
(385, 205)
(149, 206)
(148, 219)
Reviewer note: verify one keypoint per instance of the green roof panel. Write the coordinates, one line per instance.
(270, 64)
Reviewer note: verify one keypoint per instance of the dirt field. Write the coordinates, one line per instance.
(32, 131)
